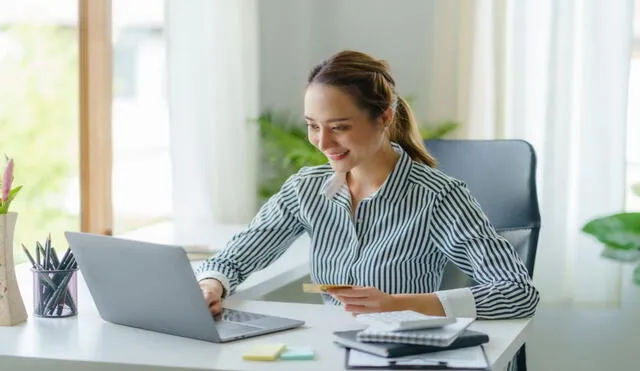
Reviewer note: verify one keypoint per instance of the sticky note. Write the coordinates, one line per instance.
(293, 353)
(312, 288)
(264, 352)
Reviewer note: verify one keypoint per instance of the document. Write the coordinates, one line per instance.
(472, 358)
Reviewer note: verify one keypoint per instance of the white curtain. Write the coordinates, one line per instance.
(554, 73)
(213, 96)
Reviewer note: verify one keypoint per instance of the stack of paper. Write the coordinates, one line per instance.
(472, 358)
(442, 336)
(347, 339)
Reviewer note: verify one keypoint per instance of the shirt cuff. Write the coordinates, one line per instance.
(458, 302)
(216, 276)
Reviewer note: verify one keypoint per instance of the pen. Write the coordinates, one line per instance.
(53, 254)
(42, 253)
(33, 263)
(45, 263)
(64, 258)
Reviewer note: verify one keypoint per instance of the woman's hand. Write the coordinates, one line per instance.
(363, 299)
(212, 290)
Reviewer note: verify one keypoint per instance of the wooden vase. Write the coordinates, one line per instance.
(12, 310)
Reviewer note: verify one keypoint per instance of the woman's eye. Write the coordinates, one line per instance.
(340, 128)
(312, 126)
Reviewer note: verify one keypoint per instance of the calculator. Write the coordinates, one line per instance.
(403, 320)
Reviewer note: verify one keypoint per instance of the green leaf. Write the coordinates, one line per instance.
(4, 206)
(13, 193)
(620, 255)
(619, 231)
(636, 275)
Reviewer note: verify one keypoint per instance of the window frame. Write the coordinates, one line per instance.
(96, 95)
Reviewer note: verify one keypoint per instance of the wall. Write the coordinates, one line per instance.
(296, 35)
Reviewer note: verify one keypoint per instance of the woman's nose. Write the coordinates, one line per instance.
(325, 139)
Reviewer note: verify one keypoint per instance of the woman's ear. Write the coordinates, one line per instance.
(387, 117)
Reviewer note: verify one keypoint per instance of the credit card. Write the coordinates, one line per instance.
(312, 288)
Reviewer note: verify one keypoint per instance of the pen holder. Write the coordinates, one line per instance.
(55, 293)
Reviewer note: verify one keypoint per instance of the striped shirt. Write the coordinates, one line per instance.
(398, 240)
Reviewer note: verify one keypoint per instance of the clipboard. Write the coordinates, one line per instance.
(472, 358)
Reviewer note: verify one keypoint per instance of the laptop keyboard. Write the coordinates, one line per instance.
(230, 315)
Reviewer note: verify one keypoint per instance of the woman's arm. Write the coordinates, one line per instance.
(270, 233)
(462, 231)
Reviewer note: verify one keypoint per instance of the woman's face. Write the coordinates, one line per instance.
(340, 129)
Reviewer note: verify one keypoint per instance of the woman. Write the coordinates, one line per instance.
(381, 217)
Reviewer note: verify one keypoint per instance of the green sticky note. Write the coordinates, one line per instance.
(294, 353)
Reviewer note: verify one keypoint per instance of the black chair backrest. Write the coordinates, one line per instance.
(501, 175)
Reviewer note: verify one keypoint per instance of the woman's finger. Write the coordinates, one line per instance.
(366, 301)
(216, 308)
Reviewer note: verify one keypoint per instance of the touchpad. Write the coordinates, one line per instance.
(228, 329)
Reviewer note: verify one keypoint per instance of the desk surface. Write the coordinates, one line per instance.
(86, 342)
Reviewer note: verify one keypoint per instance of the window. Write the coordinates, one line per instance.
(141, 185)
(633, 117)
(39, 116)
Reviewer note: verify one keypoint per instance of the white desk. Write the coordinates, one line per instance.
(86, 342)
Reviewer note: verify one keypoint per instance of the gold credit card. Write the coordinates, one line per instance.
(312, 288)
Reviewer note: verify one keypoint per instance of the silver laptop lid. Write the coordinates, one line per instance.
(143, 285)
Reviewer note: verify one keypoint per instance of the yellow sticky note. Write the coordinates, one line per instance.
(312, 288)
(264, 352)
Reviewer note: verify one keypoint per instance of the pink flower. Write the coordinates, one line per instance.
(7, 179)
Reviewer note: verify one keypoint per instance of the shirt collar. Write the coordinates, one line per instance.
(393, 187)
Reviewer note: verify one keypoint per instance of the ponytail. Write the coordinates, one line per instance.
(404, 131)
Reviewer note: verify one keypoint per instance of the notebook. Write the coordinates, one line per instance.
(442, 337)
(471, 358)
(347, 339)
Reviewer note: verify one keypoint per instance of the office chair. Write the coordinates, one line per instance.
(501, 175)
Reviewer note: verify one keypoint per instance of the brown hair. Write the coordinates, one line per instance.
(368, 81)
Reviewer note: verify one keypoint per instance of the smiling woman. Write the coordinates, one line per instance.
(382, 220)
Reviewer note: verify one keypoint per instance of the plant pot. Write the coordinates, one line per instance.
(12, 309)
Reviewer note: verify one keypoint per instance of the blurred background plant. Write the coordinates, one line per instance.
(620, 234)
(286, 149)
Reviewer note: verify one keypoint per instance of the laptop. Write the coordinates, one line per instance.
(153, 287)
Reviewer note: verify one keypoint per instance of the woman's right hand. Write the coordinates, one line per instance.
(212, 290)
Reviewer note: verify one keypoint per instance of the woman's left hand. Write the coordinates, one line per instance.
(363, 299)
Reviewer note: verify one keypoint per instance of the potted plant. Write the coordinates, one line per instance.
(12, 310)
(620, 234)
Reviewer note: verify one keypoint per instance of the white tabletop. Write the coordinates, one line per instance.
(86, 342)
(91, 342)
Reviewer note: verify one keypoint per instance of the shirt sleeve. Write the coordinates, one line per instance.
(458, 302)
(270, 233)
(462, 231)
